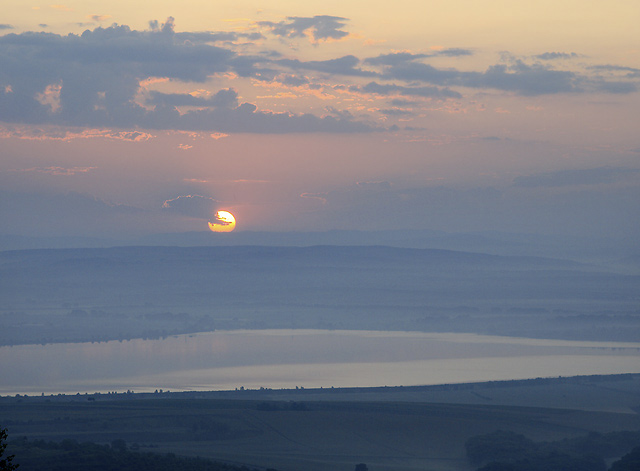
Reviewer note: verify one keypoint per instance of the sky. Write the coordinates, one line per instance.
(127, 118)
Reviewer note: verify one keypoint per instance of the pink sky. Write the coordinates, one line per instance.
(454, 116)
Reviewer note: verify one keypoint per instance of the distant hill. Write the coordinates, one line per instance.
(336, 287)
(496, 243)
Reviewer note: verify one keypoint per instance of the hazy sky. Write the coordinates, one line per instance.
(123, 118)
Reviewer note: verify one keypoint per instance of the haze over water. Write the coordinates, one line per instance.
(306, 358)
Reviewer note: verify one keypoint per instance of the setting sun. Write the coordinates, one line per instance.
(223, 222)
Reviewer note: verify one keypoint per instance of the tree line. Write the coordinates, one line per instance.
(509, 451)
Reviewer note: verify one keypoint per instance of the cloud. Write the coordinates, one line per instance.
(205, 37)
(455, 52)
(167, 27)
(592, 176)
(379, 204)
(598, 211)
(4, 26)
(93, 79)
(292, 80)
(319, 28)
(99, 72)
(394, 58)
(398, 58)
(628, 72)
(58, 171)
(52, 214)
(96, 79)
(515, 76)
(320, 197)
(227, 98)
(393, 89)
(99, 18)
(615, 87)
(33, 133)
(375, 185)
(346, 65)
(197, 206)
(523, 79)
(402, 102)
(395, 112)
(548, 56)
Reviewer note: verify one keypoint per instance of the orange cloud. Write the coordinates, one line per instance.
(31, 133)
(373, 42)
(99, 18)
(316, 196)
(51, 96)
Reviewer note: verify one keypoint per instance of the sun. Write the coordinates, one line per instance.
(223, 222)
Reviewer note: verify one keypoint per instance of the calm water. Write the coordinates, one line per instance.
(308, 358)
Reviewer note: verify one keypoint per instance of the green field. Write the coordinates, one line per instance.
(320, 430)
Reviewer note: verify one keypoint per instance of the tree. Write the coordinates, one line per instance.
(5, 463)
(629, 462)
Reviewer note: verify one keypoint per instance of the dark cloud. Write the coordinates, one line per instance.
(593, 176)
(394, 58)
(395, 112)
(615, 87)
(292, 80)
(227, 98)
(548, 56)
(455, 52)
(343, 114)
(346, 65)
(64, 213)
(247, 118)
(393, 89)
(320, 28)
(401, 102)
(626, 72)
(167, 27)
(92, 79)
(397, 58)
(614, 68)
(515, 76)
(217, 36)
(523, 79)
(5, 26)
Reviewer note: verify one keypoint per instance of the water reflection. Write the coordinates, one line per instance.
(309, 358)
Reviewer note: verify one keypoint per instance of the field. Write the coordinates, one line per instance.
(320, 430)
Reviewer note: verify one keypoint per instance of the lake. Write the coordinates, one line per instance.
(306, 358)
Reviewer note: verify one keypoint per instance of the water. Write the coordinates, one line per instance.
(307, 358)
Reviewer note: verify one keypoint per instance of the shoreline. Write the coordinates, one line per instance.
(332, 393)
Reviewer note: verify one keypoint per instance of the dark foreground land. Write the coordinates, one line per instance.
(423, 428)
